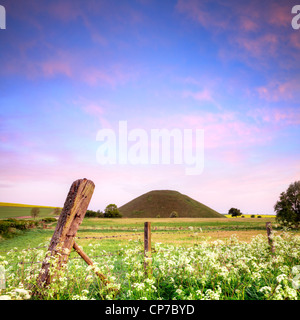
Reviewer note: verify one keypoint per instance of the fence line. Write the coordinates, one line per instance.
(156, 232)
(114, 236)
(147, 245)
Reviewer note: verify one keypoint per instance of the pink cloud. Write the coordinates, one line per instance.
(286, 116)
(249, 24)
(277, 91)
(52, 68)
(197, 10)
(201, 96)
(95, 76)
(261, 46)
(259, 28)
(221, 130)
(65, 10)
(279, 14)
(116, 75)
(70, 64)
(94, 109)
(295, 40)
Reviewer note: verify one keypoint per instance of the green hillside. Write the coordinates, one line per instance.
(163, 202)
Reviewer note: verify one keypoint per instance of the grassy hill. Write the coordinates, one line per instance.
(163, 202)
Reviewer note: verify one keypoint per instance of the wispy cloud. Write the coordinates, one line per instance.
(204, 95)
(284, 117)
(255, 30)
(280, 91)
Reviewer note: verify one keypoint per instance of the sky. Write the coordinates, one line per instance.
(73, 68)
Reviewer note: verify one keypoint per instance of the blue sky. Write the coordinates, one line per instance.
(72, 68)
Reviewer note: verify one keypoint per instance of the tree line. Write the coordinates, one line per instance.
(111, 211)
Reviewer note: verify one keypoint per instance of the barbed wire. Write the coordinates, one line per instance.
(155, 231)
(107, 237)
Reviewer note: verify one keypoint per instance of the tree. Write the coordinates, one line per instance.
(94, 214)
(174, 214)
(35, 212)
(99, 214)
(56, 211)
(234, 212)
(112, 211)
(287, 208)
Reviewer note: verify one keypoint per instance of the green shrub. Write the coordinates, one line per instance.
(9, 226)
(49, 220)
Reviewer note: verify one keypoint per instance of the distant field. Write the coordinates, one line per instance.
(9, 204)
(256, 215)
(15, 210)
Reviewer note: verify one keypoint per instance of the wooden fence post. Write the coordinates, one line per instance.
(270, 236)
(147, 248)
(69, 220)
(84, 256)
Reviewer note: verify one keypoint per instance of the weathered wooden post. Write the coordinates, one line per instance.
(147, 248)
(270, 236)
(72, 214)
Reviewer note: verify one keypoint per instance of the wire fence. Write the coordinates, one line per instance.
(133, 233)
(147, 252)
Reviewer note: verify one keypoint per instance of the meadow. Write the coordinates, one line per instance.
(192, 258)
(184, 231)
(13, 210)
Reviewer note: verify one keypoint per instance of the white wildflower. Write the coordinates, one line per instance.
(281, 277)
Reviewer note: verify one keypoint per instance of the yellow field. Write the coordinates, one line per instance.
(9, 204)
(249, 216)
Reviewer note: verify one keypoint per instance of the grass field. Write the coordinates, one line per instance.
(182, 231)
(16, 210)
(192, 258)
